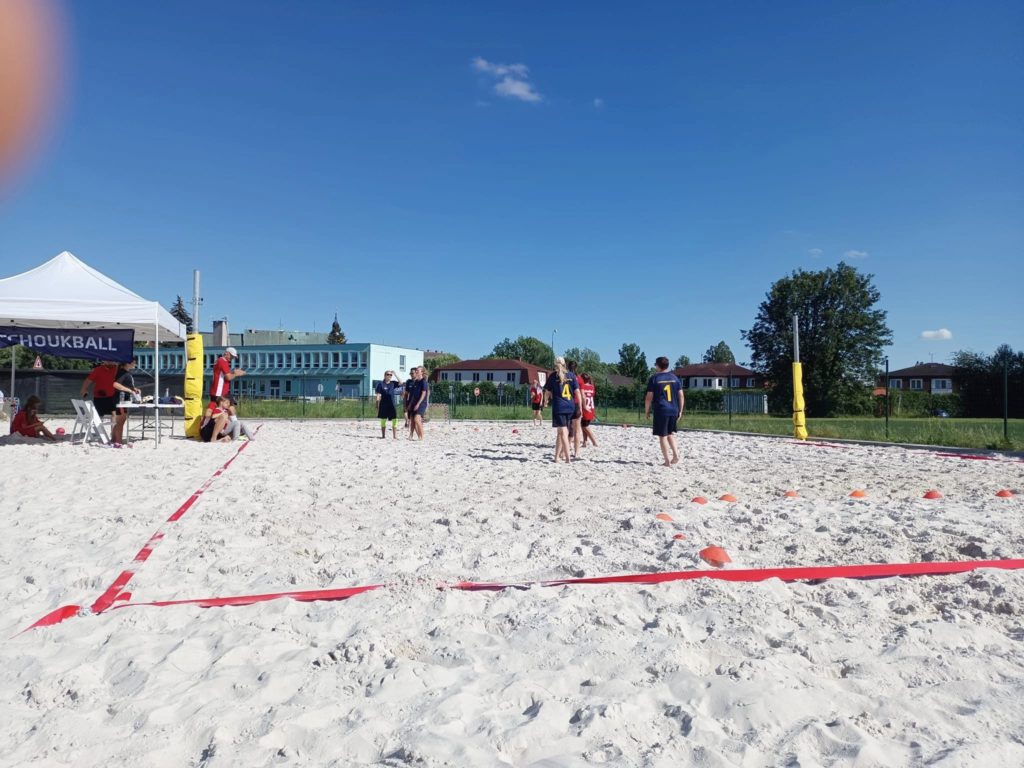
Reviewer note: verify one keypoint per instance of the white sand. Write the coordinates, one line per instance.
(886, 672)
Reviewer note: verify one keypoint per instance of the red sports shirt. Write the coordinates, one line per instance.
(220, 382)
(103, 377)
(536, 394)
(587, 392)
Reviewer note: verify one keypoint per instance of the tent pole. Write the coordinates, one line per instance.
(14, 349)
(156, 368)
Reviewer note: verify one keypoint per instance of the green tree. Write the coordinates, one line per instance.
(436, 361)
(719, 353)
(181, 314)
(526, 348)
(842, 335)
(633, 363)
(336, 336)
(587, 361)
(980, 380)
(681, 361)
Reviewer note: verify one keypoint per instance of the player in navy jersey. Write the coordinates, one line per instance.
(563, 394)
(665, 399)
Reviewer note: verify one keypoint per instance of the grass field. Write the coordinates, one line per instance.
(963, 433)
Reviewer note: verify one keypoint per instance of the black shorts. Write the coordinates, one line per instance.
(538, 406)
(586, 423)
(561, 419)
(577, 412)
(665, 425)
(104, 405)
(206, 432)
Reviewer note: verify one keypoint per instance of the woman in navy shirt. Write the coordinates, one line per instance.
(386, 403)
(564, 396)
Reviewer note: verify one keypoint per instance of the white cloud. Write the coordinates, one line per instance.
(855, 255)
(815, 253)
(513, 80)
(943, 334)
(598, 103)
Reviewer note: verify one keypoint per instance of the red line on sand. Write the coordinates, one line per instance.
(113, 592)
(813, 573)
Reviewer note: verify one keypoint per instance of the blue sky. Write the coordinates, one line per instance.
(444, 175)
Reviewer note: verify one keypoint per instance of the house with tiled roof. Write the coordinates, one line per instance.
(496, 370)
(718, 376)
(934, 378)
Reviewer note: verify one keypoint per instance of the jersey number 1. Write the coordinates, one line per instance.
(668, 392)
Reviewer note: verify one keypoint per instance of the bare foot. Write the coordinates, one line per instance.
(675, 459)
(667, 464)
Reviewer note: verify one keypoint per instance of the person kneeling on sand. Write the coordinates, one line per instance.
(27, 421)
(666, 395)
(215, 421)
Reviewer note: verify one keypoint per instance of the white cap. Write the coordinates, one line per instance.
(232, 351)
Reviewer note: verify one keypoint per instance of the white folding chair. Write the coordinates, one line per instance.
(90, 422)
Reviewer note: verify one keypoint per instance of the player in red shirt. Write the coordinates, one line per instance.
(589, 412)
(101, 379)
(27, 422)
(223, 375)
(536, 400)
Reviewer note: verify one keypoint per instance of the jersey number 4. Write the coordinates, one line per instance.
(566, 392)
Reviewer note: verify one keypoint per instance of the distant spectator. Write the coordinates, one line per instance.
(124, 386)
(385, 391)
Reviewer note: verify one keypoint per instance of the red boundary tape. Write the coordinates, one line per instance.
(812, 573)
(114, 592)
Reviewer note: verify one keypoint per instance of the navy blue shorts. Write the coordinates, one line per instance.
(561, 419)
(665, 425)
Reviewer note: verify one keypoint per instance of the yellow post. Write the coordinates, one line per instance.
(799, 424)
(193, 384)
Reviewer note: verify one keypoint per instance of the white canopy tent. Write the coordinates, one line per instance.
(66, 293)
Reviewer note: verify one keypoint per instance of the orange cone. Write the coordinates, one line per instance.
(663, 516)
(679, 537)
(1005, 494)
(715, 556)
(515, 431)
(698, 500)
(858, 494)
(727, 497)
(791, 495)
(932, 495)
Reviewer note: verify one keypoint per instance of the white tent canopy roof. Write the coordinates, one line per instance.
(66, 293)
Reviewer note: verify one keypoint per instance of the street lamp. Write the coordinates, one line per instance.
(553, 354)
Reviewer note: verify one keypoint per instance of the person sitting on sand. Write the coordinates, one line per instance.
(215, 421)
(236, 427)
(666, 395)
(27, 422)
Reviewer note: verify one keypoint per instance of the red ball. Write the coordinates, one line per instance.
(59, 431)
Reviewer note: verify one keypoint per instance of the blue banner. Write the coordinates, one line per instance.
(117, 344)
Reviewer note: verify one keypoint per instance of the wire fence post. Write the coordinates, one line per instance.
(1006, 399)
(887, 406)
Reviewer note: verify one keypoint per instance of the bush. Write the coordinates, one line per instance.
(912, 404)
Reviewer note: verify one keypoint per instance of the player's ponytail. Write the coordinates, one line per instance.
(560, 369)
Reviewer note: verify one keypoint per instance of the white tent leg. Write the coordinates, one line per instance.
(14, 349)
(156, 369)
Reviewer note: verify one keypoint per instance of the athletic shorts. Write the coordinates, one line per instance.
(206, 433)
(104, 405)
(561, 419)
(665, 425)
(586, 423)
(538, 407)
(577, 412)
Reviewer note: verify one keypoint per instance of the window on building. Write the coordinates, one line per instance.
(458, 375)
(444, 375)
(720, 382)
(734, 382)
(942, 385)
(510, 377)
(916, 384)
(401, 362)
(287, 385)
(476, 377)
(707, 383)
(750, 382)
(895, 383)
(490, 376)
(337, 359)
(362, 359)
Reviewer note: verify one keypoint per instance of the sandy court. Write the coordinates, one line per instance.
(883, 672)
